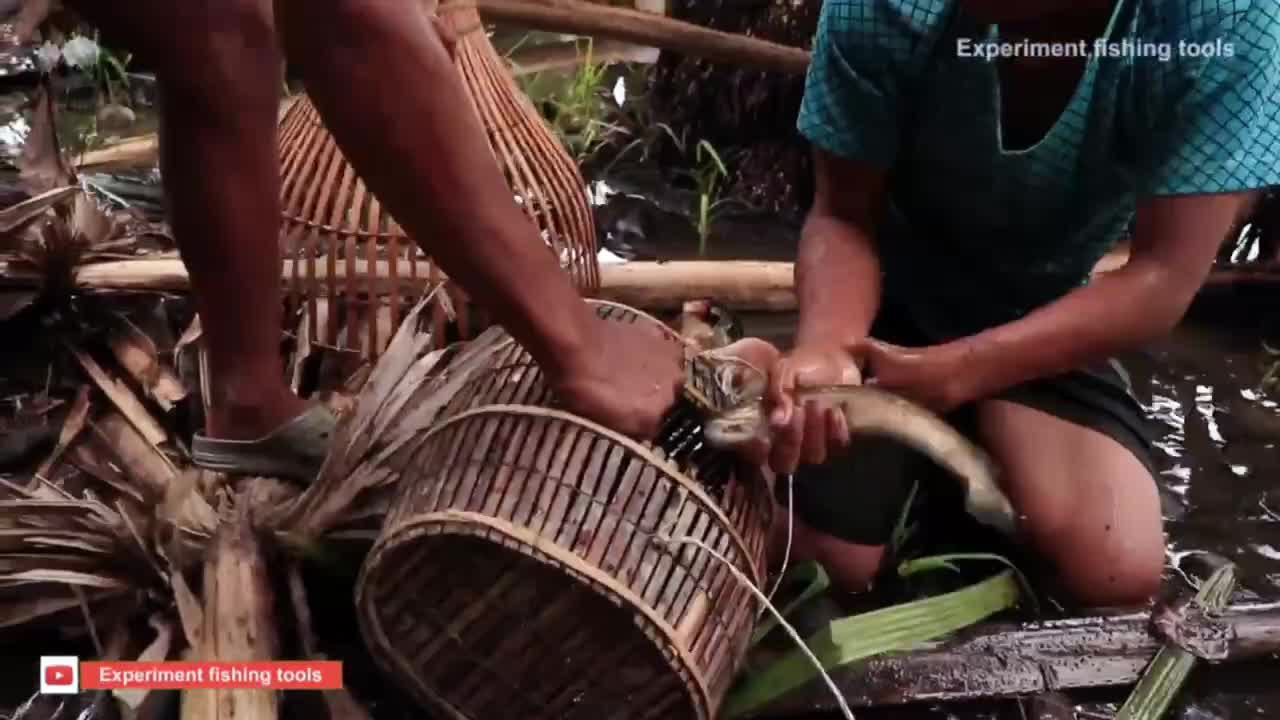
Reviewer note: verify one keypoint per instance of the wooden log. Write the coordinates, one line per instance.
(737, 284)
(128, 154)
(643, 28)
(741, 285)
(238, 623)
(1003, 660)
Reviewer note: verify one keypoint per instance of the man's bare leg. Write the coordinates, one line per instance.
(386, 86)
(218, 67)
(1091, 509)
(1090, 506)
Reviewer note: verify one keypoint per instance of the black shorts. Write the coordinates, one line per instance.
(859, 496)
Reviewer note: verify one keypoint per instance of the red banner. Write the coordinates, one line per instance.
(296, 675)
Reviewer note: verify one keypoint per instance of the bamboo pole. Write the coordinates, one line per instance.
(128, 154)
(742, 285)
(636, 27)
(643, 28)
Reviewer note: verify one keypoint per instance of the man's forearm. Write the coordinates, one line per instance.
(387, 89)
(837, 282)
(1115, 313)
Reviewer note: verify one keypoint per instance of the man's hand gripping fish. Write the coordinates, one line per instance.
(871, 411)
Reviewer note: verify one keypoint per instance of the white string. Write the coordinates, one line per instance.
(786, 554)
(746, 581)
(728, 371)
(724, 377)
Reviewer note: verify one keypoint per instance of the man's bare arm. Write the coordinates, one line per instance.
(390, 95)
(1174, 246)
(837, 268)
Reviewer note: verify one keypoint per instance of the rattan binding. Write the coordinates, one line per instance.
(525, 569)
(338, 233)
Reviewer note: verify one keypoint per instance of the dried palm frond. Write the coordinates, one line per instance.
(59, 231)
(16, 219)
(58, 551)
(61, 226)
(408, 388)
(41, 164)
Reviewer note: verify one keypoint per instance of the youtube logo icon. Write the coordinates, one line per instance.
(59, 675)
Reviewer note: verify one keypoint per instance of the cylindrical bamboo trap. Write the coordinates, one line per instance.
(532, 564)
(331, 219)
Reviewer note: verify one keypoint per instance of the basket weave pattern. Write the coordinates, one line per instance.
(526, 570)
(342, 240)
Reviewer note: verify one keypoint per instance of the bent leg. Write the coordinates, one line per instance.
(846, 509)
(1090, 506)
(219, 73)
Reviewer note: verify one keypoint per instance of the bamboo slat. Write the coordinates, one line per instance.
(333, 224)
(525, 568)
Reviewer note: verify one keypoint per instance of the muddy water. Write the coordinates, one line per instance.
(1218, 447)
(1219, 432)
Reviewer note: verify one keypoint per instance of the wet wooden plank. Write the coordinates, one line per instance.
(1006, 659)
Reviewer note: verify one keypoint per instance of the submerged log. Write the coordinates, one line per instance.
(1003, 660)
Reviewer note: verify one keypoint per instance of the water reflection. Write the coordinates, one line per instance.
(1206, 408)
(13, 132)
(1167, 410)
(1267, 551)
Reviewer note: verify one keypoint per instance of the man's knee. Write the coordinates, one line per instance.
(1091, 506)
(1108, 544)
(1128, 579)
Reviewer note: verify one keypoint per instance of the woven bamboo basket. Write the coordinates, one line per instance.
(350, 256)
(526, 568)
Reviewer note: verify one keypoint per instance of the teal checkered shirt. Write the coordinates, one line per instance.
(978, 234)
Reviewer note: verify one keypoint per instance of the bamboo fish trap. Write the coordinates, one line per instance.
(337, 232)
(526, 568)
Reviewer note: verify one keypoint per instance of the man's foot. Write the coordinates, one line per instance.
(296, 450)
(253, 413)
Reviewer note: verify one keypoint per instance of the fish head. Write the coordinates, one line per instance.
(736, 426)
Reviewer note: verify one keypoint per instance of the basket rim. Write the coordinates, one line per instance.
(464, 523)
(666, 329)
(663, 465)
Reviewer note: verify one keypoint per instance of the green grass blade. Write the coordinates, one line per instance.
(896, 628)
(947, 562)
(1164, 678)
(712, 155)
